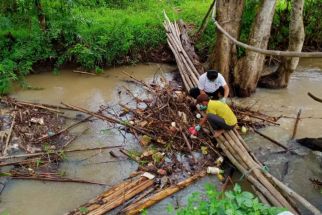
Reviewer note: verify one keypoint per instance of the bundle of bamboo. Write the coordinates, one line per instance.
(271, 190)
(114, 197)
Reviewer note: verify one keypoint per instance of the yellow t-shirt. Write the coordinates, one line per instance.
(222, 110)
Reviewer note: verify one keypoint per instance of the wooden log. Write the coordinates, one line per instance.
(148, 202)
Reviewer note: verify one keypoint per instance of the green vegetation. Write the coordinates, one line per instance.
(232, 202)
(94, 34)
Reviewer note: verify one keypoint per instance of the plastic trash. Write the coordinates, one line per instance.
(214, 170)
(193, 131)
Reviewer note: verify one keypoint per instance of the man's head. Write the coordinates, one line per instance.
(203, 99)
(212, 75)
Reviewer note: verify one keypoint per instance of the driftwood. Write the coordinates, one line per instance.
(147, 202)
(296, 124)
(314, 97)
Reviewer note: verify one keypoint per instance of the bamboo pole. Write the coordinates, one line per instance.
(113, 197)
(51, 179)
(34, 105)
(145, 203)
(57, 152)
(260, 196)
(128, 194)
(254, 167)
(249, 177)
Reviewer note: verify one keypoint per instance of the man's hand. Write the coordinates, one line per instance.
(197, 127)
(201, 107)
(202, 92)
(223, 100)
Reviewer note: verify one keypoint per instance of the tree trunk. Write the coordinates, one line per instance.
(229, 14)
(280, 78)
(41, 15)
(249, 68)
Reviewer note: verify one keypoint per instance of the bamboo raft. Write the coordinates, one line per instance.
(269, 188)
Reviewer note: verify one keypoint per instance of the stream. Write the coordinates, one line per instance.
(89, 91)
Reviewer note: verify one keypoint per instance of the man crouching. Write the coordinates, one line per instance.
(219, 114)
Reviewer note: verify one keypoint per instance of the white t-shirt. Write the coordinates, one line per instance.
(211, 86)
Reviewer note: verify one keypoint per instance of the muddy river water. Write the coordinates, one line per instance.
(38, 198)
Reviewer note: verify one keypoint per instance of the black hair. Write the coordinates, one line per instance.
(212, 75)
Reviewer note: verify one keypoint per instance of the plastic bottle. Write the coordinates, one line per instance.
(214, 170)
(219, 161)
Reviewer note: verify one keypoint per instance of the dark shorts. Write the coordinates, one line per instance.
(218, 123)
(195, 92)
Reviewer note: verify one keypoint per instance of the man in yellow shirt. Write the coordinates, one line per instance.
(219, 114)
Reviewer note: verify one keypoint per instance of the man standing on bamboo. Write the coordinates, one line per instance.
(213, 84)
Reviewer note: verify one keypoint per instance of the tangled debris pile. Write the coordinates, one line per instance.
(33, 141)
(33, 127)
(173, 156)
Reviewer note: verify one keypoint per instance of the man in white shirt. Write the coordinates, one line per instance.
(213, 84)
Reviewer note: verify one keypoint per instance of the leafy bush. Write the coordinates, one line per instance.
(234, 202)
